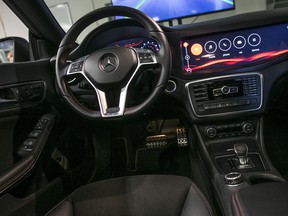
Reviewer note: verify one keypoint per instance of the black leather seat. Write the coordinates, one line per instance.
(136, 195)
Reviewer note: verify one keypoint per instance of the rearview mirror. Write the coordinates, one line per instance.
(14, 49)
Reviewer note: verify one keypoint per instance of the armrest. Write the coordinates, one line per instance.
(267, 199)
(29, 156)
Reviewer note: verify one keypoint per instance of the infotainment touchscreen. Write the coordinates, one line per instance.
(234, 49)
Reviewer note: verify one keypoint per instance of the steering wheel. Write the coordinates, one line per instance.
(112, 68)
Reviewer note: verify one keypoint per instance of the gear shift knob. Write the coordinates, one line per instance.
(241, 150)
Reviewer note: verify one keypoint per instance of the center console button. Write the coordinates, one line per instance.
(225, 90)
(233, 89)
(247, 128)
(211, 132)
(212, 106)
(206, 106)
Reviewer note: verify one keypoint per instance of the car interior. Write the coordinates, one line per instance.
(127, 112)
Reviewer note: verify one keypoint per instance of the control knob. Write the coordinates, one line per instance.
(233, 178)
(225, 90)
(211, 132)
(247, 127)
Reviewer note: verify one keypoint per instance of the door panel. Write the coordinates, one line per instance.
(26, 92)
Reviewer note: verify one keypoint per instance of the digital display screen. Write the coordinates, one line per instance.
(142, 43)
(234, 49)
(162, 10)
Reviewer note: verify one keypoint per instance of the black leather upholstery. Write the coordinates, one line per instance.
(136, 195)
(270, 199)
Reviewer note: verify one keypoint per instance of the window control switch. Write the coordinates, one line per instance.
(35, 134)
(28, 144)
(41, 124)
(27, 148)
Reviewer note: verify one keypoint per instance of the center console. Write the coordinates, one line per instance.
(235, 156)
(232, 147)
(226, 102)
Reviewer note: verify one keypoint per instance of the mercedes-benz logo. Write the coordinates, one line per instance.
(108, 63)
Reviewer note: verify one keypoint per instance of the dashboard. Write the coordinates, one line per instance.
(225, 67)
(225, 73)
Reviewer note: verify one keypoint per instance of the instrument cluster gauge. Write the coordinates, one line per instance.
(151, 45)
(142, 43)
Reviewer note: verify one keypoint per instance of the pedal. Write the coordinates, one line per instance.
(156, 142)
(182, 139)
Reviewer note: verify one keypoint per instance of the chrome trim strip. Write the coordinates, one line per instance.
(175, 86)
(221, 77)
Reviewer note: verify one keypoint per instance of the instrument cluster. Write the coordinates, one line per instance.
(142, 43)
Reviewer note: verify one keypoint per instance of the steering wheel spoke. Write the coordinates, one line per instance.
(146, 57)
(112, 111)
(76, 67)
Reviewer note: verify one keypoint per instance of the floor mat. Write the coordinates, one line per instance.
(133, 155)
(172, 161)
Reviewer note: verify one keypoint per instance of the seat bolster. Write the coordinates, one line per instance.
(64, 208)
(196, 204)
(151, 195)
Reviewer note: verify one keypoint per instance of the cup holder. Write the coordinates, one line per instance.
(260, 179)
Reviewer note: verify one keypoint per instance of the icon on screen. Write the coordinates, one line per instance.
(254, 39)
(210, 47)
(239, 42)
(196, 49)
(225, 44)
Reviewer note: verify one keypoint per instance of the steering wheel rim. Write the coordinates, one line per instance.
(63, 66)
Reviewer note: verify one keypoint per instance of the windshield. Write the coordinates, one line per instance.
(165, 12)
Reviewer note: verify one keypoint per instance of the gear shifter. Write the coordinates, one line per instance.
(241, 150)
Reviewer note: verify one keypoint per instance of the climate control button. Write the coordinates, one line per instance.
(211, 132)
(247, 127)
